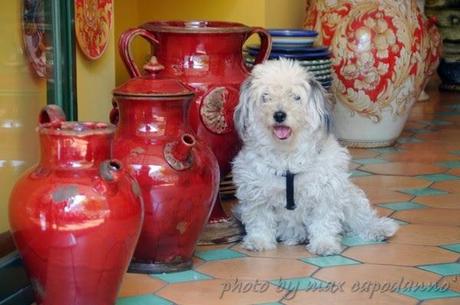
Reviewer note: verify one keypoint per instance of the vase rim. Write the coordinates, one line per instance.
(76, 129)
(196, 26)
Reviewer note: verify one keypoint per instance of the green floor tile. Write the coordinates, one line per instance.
(352, 241)
(219, 254)
(428, 191)
(300, 284)
(439, 177)
(149, 299)
(443, 269)
(450, 164)
(329, 261)
(179, 277)
(401, 206)
(358, 173)
(369, 161)
(429, 293)
(452, 247)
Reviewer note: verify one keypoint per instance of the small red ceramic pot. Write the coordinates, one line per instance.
(178, 174)
(76, 215)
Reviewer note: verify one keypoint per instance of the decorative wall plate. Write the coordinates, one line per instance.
(93, 21)
(35, 40)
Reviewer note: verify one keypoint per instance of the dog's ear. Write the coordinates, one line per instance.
(243, 109)
(319, 103)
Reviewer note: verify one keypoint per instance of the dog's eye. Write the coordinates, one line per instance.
(297, 98)
(265, 97)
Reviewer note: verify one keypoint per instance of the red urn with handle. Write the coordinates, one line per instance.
(75, 216)
(208, 57)
(178, 175)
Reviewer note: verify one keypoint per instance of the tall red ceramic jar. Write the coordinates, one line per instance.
(207, 56)
(76, 215)
(177, 173)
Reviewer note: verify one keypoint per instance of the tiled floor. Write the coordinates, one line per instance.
(416, 182)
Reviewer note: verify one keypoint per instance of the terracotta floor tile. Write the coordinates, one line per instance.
(357, 153)
(401, 255)
(403, 168)
(450, 201)
(429, 146)
(452, 186)
(347, 297)
(137, 284)
(379, 195)
(382, 212)
(211, 292)
(420, 156)
(375, 274)
(430, 216)
(390, 182)
(454, 171)
(449, 136)
(294, 252)
(256, 268)
(449, 301)
(414, 234)
(453, 282)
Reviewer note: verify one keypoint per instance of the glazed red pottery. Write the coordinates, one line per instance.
(76, 215)
(207, 56)
(178, 175)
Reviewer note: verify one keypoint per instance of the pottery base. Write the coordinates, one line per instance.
(154, 268)
(450, 87)
(225, 231)
(366, 144)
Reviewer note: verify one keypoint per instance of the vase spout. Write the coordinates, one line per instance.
(183, 149)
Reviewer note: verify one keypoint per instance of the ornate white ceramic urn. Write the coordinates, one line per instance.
(380, 61)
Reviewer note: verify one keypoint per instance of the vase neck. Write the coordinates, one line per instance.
(152, 119)
(76, 149)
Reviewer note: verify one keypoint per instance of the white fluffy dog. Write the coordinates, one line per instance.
(292, 175)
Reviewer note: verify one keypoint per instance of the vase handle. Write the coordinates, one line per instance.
(265, 44)
(51, 114)
(124, 48)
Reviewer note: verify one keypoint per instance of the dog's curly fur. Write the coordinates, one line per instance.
(328, 203)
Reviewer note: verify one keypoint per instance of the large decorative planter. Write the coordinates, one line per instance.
(75, 216)
(178, 174)
(208, 57)
(447, 14)
(380, 60)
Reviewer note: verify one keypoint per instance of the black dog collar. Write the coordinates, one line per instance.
(290, 203)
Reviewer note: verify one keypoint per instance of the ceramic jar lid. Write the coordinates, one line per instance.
(152, 87)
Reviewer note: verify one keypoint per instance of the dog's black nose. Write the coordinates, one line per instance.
(279, 116)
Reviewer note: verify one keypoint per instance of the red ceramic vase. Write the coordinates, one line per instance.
(207, 56)
(76, 215)
(178, 175)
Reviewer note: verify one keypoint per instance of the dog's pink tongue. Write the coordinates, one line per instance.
(282, 132)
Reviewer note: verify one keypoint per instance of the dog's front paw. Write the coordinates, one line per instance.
(380, 230)
(258, 243)
(327, 246)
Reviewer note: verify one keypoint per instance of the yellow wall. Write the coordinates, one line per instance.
(21, 97)
(284, 14)
(95, 81)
